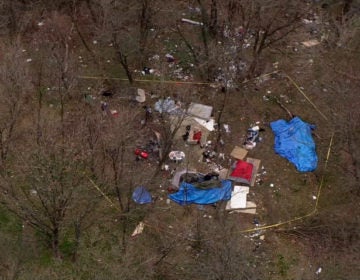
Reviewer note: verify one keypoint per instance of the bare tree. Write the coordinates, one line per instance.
(15, 92)
(44, 193)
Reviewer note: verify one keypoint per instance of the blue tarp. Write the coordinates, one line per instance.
(189, 194)
(141, 195)
(293, 141)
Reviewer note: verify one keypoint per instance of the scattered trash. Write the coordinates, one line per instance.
(314, 197)
(95, 42)
(169, 58)
(141, 154)
(141, 195)
(306, 21)
(177, 156)
(196, 137)
(227, 128)
(107, 93)
(271, 185)
(140, 95)
(138, 230)
(191, 21)
(114, 113)
(33, 192)
(262, 237)
(168, 105)
(310, 43)
(318, 271)
(238, 153)
(155, 57)
(41, 23)
(252, 137)
(104, 106)
(147, 71)
(29, 60)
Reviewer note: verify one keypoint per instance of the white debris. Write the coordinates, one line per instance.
(156, 57)
(318, 271)
(208, 124)
(41, 23)
(306, 21)
(29, 60)
(33, 192)
(271, 185)
(314, 197)
(310, 43)
(227, 128)
(139, 229)
(191, 21)
(95, 42)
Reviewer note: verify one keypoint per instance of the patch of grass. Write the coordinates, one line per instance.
(283, 265)
(46, 258)
(67, 247)
(8, 222)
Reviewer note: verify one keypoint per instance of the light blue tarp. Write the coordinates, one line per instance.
(293, 141)
(141, 195)
(189, 194)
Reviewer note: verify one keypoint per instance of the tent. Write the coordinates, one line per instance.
(141, 195)
(189, 194)
(293, 141)
(242, 172)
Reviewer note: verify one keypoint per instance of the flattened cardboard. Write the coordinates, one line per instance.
(256, 165)
(238, 153)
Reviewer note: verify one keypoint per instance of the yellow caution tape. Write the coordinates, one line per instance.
(307, 98)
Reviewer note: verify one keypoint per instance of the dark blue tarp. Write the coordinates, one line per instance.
(293, 141)
(189, 194)
(141, 195)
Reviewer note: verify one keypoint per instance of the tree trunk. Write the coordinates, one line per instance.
(55, 243)
(213, 19)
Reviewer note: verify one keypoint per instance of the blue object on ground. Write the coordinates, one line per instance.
(293, 141)
(189, 194)
(141, 195)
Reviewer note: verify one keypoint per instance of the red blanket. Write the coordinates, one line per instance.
(242, 171)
